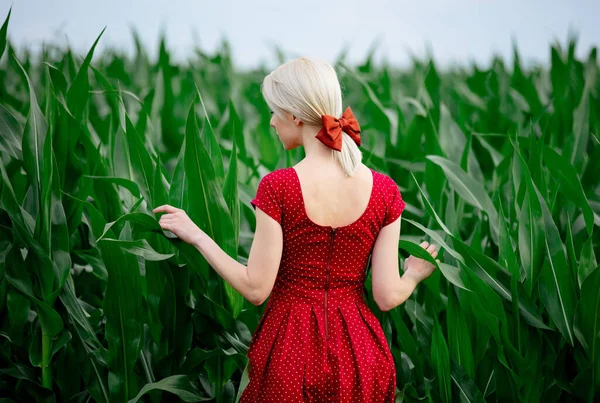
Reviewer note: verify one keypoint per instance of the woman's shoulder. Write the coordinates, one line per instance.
(277, 174)
(277, 178)
(385, 180)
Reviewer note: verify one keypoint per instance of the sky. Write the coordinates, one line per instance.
(452, 31)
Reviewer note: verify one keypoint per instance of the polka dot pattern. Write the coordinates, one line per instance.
(317, 340)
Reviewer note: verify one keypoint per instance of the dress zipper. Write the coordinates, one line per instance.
(327, 279)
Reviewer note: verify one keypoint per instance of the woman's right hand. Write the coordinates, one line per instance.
(418, 268)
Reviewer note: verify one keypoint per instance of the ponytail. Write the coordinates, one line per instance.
(350, 157)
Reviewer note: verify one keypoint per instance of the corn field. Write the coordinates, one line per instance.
(500, 166)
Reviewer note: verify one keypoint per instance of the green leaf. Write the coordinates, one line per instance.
(126, 183)
(459, 336)
(437, 238)
(567, 177)
(587, 321)
(385, 119)
(209, 210)
(469, 189)
(457, 146)
(175, 315)
(177, 191)
(196, 358)
(440, 360)
(233, 129)
(56, 223)
(407, 343)
(468, 390)
(123, 310)
(36, 359)
(12, 133)
(498, 278)
(507, 257)
(59, 81)
(10, 204)
(417, 251)
(178, 385)
(3, 32)
(571, 251)
(453, 274)
(212, 143)
(486, 306)
(556, 287)
(144, 222)
(34, 138)
(230, 193)
(531, 228)
(141, 163)
(17, 312)
(89, 340)
(587, 261)
(430, 208)
(50, 320)
(578, 143)
(160, 185)
(140, 247)
(78, 96)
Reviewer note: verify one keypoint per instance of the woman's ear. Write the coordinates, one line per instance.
(297, 121)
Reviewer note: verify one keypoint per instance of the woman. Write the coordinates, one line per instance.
(318, 223)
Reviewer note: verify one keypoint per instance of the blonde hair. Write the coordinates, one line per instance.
(308, 88)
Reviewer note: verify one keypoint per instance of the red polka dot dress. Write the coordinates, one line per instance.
(317, 340)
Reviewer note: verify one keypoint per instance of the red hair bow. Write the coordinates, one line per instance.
(331, 133)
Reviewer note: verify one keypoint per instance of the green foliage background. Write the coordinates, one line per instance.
(499, 166)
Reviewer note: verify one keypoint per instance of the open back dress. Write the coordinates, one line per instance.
(317, 340)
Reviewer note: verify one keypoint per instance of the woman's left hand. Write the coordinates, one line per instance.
(177, 221)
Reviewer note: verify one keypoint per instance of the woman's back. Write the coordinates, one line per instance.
(330, 198)
(317, 338)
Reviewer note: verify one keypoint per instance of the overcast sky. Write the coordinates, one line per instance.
(455, 30)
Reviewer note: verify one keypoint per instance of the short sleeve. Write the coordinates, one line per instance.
(395, 204)
(267, 198)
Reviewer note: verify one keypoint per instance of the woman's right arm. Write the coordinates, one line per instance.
(389, 289)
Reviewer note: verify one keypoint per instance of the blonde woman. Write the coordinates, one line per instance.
(317, 340)
(317, 224)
